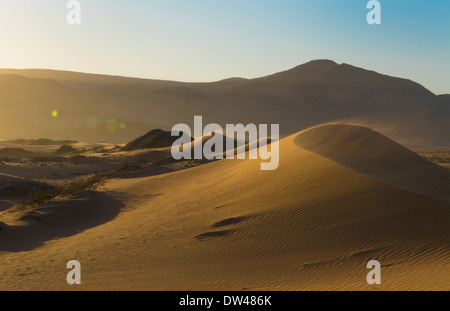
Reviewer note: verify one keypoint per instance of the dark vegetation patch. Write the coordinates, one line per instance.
(39, 193)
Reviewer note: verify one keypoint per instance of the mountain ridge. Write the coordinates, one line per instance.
(320, 91)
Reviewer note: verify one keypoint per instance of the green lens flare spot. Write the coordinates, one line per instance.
(55, 113)
(122, 125)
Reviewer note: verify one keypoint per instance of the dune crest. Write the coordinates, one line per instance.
(372, 154)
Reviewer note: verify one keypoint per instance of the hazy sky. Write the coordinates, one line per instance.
(205, 40)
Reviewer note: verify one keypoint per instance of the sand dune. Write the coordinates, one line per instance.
(227, 225)
(375, 155)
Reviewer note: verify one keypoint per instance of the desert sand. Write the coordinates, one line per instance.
(341, 196)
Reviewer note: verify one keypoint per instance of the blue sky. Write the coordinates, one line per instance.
(206, 40)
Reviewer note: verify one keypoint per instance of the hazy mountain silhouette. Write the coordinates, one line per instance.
(118, 109)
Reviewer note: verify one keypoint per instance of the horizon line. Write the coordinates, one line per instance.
(206, 81)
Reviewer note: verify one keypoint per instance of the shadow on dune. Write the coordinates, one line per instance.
(59, 219)
(372, 154)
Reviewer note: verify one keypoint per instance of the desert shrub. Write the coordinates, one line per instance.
(92, 183)
(40, 196)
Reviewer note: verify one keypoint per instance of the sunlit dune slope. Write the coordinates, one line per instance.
(311, 224)
(377, 156)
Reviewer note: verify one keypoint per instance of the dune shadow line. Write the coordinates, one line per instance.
(59, 219)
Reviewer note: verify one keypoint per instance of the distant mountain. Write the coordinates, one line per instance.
(117, 109)
(444, 98)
